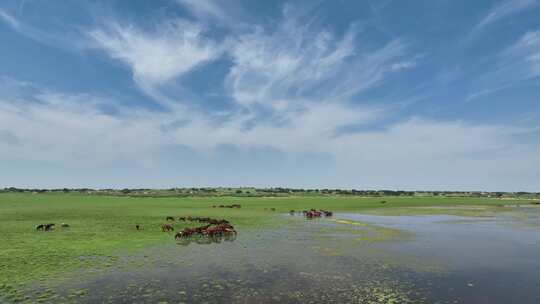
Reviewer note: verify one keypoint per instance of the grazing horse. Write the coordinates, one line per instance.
(166, 228)
(64, 225)
(49, 226)
(40, 227)
(169, 218)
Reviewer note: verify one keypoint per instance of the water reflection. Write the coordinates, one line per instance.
(206, 240)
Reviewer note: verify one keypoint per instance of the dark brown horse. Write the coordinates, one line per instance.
(167, 227)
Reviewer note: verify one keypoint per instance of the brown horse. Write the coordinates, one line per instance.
(167, 227)
(313, 214)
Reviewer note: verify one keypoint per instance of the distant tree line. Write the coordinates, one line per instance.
(275, 191)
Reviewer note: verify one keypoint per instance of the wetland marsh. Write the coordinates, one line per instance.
(408, 250)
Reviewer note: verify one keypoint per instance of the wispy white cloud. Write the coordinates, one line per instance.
(9, 20)
(284, 68)
(68, 38)
(275, 67)
(173, 49)
(402, 65)
(207, 9)
(517, 63)
(504, 9)
(524, 56)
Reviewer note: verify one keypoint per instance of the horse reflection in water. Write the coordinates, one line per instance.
(206, 240)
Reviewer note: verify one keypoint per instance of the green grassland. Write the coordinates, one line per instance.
(103, 227)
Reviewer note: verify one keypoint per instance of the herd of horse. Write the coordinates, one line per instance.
(228, 206)
(311, 214)
(49, 226)
(213, 227)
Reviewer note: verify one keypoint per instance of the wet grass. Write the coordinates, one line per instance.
(102, 228)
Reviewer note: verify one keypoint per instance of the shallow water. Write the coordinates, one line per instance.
(444, 259)
(487, 260)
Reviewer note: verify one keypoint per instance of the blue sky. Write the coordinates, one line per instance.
(349, 94)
